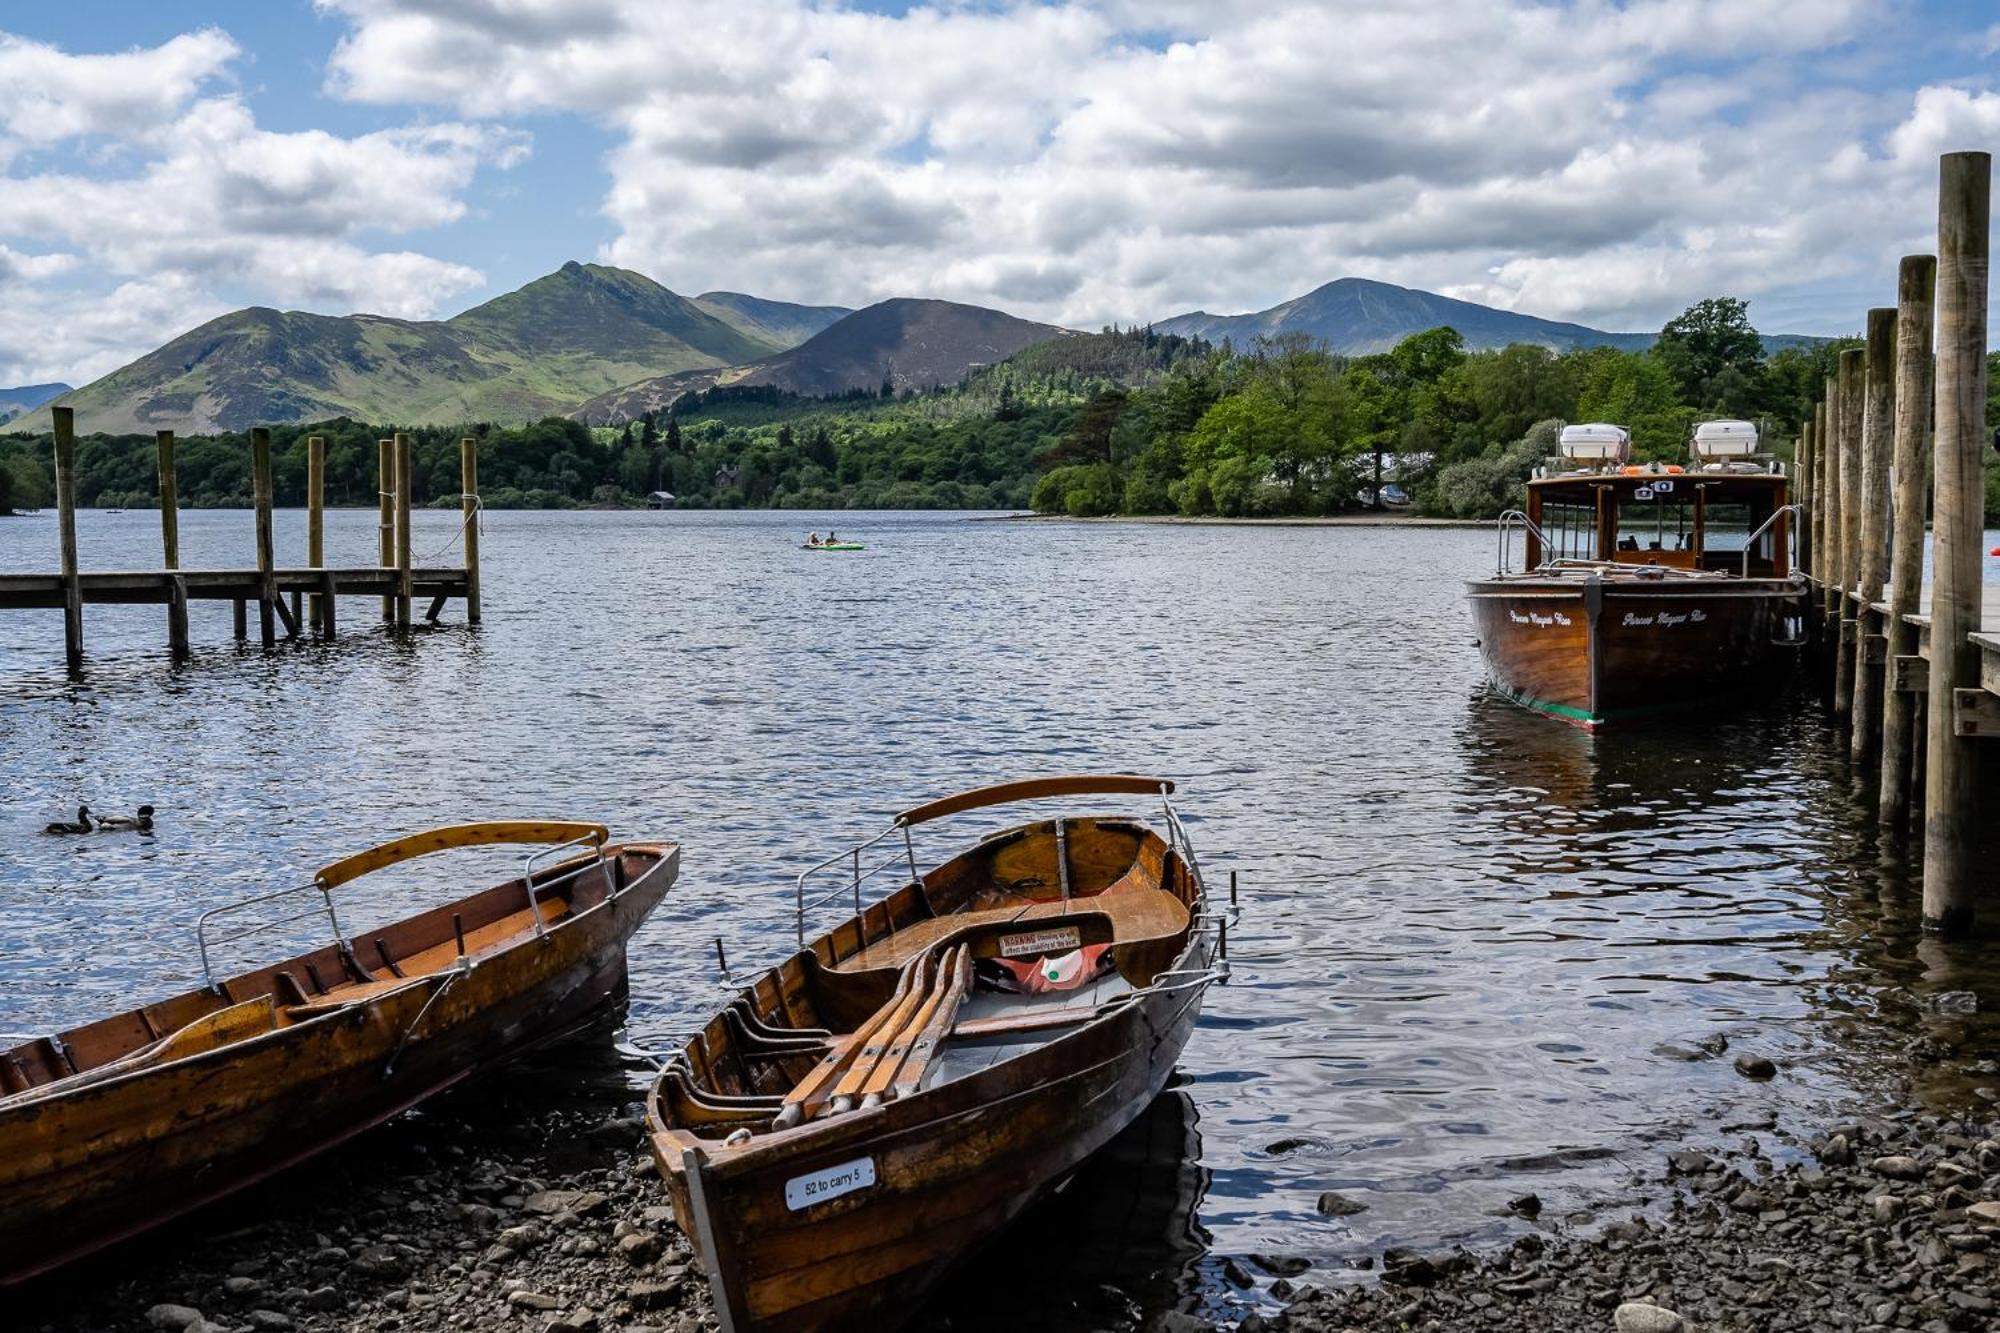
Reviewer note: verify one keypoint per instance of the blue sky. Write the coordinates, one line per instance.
(1608, 161)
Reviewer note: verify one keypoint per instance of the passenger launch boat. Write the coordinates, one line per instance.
(1644, 588)
(119, 1125)
(888, 1097)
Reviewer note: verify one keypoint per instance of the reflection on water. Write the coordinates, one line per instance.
(1477, 950)
(1119, 1240)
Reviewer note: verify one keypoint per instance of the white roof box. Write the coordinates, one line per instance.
(1595, 442)
(1719, 440)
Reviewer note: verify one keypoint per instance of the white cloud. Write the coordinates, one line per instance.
(199, 203)
(48, 95)
(1117, 160)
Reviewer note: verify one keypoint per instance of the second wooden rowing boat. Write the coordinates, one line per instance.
(874, 1107)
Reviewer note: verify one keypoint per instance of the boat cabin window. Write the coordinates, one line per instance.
(1571, 529)
(1675, 522)
(1657, 531)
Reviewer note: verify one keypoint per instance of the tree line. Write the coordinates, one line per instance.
(1125, 421)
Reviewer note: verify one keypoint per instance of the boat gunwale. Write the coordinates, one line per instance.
(33, 1099)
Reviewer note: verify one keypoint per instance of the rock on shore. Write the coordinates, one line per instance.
(1894, 1225)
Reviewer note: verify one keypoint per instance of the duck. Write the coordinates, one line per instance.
(82, 824)
(139, 823)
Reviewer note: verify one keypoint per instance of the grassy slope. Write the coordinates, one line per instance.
(531, 353)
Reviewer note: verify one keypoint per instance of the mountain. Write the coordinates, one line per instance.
(26, 398)
(913, 344)
(777, 322)
(534, 352)
(1358, 317)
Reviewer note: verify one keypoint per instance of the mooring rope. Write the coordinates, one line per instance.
(472, 516)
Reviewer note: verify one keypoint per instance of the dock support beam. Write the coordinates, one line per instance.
(1830, 581)
(1822, 443)
(404, 468)
(260, 489)
(1916, 287)
(1878, 426)
(170, 546)
(1951, 823)
(468, 500)
(65, 431)
(316, 525)
(385, 526)
(1803, 482)
(1852, 369)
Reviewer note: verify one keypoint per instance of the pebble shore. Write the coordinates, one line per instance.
(516, 1204)
(1885, 1224)
(526, 1204)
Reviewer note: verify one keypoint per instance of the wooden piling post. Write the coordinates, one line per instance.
(1916, 287)
(1878, 429)
(316, 522)
(65, 432)
(1951, 819)
(1802, 484)
(403, 488)
(385, 528)
(260, 488)
(170, 546)
(468, 501)
(1850, 392)
(1820, 445)
(1830, 585)
(170, 513)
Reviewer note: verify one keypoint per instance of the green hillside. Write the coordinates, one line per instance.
(576, 333)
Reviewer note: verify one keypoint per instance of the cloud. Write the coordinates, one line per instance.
(48, 95)
(198, 204)
(1088, 161)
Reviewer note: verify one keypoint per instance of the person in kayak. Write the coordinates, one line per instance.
(812, 539)
(832, 537)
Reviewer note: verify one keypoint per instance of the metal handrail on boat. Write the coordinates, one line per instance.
(1505, 525)
(332, 877)
(856, 877)
(1750, 542)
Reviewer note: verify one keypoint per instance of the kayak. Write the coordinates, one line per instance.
(834, 546)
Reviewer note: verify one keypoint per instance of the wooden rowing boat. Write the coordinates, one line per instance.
(890, 1096)
(119, 1125)
(1645, 589)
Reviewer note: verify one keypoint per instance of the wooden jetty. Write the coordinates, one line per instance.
(1914, 670)
(302, 599)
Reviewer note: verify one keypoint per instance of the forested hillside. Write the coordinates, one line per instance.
(1124, 421)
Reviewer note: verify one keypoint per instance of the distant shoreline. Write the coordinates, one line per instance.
(1388, 520)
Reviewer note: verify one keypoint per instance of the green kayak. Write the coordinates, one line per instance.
(835, 546)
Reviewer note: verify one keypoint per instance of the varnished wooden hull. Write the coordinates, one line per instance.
(954, 1166)
(85, 1169)
(847, 1215)
(1599, 652)
(953, 1169)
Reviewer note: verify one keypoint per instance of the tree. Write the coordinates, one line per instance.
(1424, 357)
(1703, 344)
(672, 437)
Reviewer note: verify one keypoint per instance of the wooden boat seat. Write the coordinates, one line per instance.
(426, 963)
(1136, 913)
(342, 996)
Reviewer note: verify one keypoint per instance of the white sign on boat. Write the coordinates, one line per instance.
(829, 1183)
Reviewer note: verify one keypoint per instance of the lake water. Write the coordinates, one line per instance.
(1465, 929)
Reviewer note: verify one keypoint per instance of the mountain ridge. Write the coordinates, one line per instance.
(1361, 316)
(532, 352)
(907, 342)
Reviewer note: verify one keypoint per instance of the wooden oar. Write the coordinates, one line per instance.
(916, 1061)
(860, 1073)
(812, 1091)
